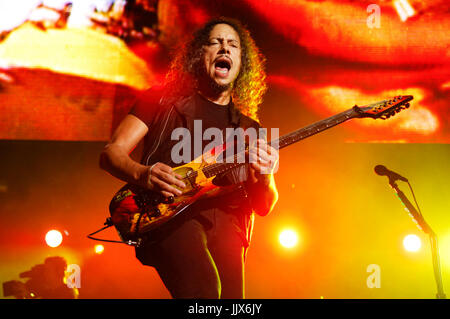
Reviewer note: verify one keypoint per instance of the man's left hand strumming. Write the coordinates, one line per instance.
(263, 160)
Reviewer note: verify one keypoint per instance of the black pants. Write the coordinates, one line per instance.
(202, 258)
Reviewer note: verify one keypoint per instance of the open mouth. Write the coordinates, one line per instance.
(222, 66)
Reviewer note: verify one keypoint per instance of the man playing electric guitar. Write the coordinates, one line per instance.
(219, 79)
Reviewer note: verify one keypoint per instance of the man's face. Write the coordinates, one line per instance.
(222, 56)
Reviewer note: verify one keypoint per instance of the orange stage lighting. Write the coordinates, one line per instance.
(99, 249)
(288, 238)
(412, 243)
(404, 9)
(53, 238)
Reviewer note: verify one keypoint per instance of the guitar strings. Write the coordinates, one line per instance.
(215, 168)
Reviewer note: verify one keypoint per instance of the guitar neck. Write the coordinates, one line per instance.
(313, 129)
(288, 139)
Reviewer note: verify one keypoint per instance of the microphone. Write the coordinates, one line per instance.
(383, 171)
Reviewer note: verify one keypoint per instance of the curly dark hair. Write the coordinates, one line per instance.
(250, 84)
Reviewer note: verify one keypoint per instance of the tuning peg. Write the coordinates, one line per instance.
(406, 105)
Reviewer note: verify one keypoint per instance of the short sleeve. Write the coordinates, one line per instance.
(146, 105)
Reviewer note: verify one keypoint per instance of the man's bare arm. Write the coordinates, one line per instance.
(261, 182)
(263, 192)
(115, 159)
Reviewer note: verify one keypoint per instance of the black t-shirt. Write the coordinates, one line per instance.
(212, 115)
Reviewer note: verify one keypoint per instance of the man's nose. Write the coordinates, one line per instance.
(224, 48)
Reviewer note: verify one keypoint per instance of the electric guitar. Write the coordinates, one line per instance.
(136, 212)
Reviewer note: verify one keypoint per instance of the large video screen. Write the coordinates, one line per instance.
(69, 69)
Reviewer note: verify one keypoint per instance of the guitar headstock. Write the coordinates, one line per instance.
(384, 109)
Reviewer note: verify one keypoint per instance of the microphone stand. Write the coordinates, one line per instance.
(423, 225)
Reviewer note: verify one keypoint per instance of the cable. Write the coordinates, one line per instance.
(108, 224)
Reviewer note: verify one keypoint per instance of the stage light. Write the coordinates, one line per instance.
(404, 9)
(53, 238)
(412, 243)
(99, 249)
(288, 238)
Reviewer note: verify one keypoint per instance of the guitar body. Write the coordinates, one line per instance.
(135, 211)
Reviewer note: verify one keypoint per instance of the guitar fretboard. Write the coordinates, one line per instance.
(285, 140)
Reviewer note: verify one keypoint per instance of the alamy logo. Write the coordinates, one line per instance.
(373, 20)
(374, 280)
(235, 147)
(73, 276)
